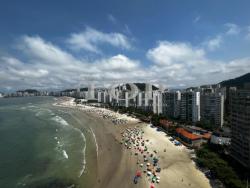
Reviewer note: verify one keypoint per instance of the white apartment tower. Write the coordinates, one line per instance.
(196, 106)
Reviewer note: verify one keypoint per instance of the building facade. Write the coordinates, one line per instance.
(171, 104)
(239, 105)
(212, 108)
(190, 106)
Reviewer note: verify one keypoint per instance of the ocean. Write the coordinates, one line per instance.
(42, 145)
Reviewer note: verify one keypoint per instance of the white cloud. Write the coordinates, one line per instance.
(45, 65)
(196, 19)
(119, 63)
(214, 43)
(91, 38)
(233, 29)
(112, 18)
(181, 63)
(167, 53)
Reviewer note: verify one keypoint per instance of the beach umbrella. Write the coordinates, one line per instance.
(138, 174)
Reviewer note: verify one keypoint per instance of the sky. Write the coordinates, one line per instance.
(68, 44)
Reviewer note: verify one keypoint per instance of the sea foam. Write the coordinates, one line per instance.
(63, 122)
(65, 154)
(60, 120)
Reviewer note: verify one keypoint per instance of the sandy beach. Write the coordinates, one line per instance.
(117, 165)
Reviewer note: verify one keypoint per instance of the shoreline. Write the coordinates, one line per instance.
(116, 165)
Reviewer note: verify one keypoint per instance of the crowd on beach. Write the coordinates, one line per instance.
(147, 161)
(105, 113)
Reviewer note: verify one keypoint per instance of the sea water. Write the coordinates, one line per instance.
(39, 146)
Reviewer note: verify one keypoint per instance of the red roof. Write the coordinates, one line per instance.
(166, 123)
(207, 136)
(187, 134)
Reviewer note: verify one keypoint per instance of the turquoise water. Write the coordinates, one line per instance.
(39, 146)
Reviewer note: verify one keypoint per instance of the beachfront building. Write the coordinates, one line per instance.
(195, 106)
(186, 106)
(190, 106)
(192, 136)
(143, 101)
(157, 102)
(91, 92)
(221, 137)
(171, 103)
(212, 108)
(239, 105)
(167, 124)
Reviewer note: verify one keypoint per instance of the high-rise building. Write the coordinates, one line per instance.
(195, 106)
(190, 106)
(186, 106)
(212, 108)
(91, 92)
(239, 105)
(157, 102)
(171, 103)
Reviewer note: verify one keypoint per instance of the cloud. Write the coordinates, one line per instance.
(42, 65)
(196, 19)
(90, 39)
(46, 65)
(112, 19)
(167, 53)
(214, 43)
(184, 64)
(119, 63)
(233, 29)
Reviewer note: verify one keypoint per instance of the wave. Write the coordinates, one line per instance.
(65, 154)
(83, 152)
(60, 120)
(43, 111)
(96, 144)
(64, 123)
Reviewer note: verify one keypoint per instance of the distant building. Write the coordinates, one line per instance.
(239, 105)
(157, 102)
(171, 104)
(193, 136)
(186, 106)
(221, 138)
(212, 108)
(190, 106)
(166, 124)
(196, 106)
(91, 92)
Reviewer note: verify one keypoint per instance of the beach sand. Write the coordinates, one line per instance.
(117, 166)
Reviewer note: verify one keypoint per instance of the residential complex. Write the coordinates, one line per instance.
(212, 108)
(205, 104)
(239, 105)
(171, 103)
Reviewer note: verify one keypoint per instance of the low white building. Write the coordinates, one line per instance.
(220, 138)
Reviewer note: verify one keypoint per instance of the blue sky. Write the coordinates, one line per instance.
(59, 44)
